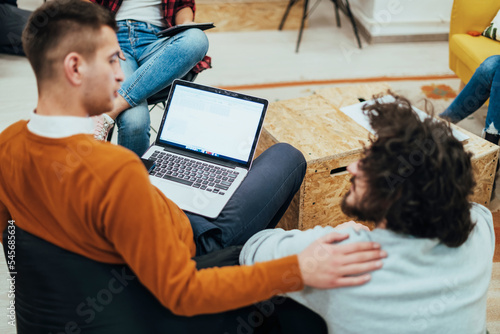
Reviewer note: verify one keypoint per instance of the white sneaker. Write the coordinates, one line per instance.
(102, 125)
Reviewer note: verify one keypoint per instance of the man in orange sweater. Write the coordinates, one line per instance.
(95, 199)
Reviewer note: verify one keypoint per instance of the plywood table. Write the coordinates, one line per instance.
(330, 141)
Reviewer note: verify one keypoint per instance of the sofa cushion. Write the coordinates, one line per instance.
(492, 31)
(473, 50)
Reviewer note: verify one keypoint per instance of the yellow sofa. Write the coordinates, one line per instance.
(468, 52)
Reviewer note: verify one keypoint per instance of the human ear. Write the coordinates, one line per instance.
(73, 67)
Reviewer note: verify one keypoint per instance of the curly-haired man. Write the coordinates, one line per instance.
(413, 182)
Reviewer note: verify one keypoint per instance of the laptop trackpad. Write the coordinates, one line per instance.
(192, 199)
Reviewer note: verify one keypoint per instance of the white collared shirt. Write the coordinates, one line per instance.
(59, 126)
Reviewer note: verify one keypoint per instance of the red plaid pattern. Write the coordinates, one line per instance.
(169, 7)
(204, 64)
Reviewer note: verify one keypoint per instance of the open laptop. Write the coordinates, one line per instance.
(205, 145)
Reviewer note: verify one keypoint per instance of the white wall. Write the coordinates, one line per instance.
(403, 17)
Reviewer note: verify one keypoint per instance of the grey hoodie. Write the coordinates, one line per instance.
(423, 287)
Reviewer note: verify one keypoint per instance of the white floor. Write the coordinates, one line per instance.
(249, 58)
(326, 53)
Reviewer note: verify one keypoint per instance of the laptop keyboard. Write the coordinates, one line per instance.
(193, 173)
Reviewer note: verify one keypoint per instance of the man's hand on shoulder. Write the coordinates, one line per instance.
(325, 265)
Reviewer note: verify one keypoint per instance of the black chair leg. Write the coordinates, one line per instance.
(150, 110)
(304, 16)
(110, 133)
(287, 11)
(353, 21)
(345, 7)
(337, 12)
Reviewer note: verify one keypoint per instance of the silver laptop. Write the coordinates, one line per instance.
(205, 145)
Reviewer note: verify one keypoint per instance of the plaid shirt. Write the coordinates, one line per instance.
(169, 7)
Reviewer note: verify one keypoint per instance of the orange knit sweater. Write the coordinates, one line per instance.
(95, 199)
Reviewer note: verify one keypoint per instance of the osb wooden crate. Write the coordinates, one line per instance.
(484, 162)
(330, 141)
(247, 15)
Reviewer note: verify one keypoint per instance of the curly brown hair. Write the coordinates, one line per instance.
(418, 174)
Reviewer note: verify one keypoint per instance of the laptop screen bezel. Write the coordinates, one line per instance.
(203, 156)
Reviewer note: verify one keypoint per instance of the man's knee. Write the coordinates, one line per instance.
(288, 150)
(286, 154)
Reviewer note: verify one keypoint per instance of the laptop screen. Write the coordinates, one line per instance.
(212, 122)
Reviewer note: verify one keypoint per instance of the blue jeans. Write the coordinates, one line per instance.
(259, 202)
(151, 64)
(484, 84)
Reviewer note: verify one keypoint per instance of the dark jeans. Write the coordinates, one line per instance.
(259, 203)
(12, 22)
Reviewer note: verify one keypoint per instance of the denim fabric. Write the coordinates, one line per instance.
(151, 64)
(484, 84)
(259, 202)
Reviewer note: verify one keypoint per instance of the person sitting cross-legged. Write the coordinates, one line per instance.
(414, 182)
(150, 63)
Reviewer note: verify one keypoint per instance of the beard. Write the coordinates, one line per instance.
(354, 210)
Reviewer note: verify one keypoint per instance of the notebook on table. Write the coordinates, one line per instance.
(205, 145)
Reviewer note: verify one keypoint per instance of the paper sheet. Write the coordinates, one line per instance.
(356, 113)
